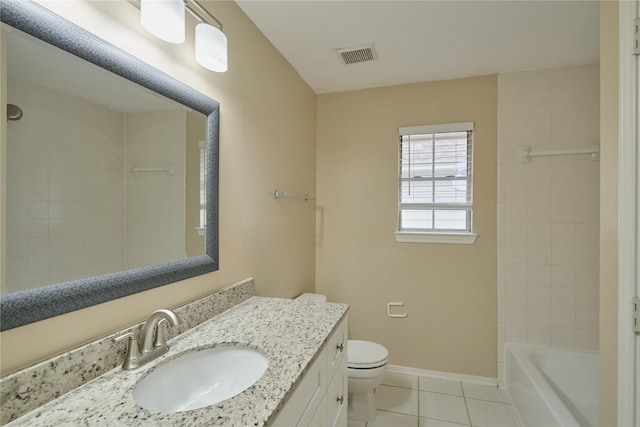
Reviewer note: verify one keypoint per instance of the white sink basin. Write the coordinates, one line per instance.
(200, 379)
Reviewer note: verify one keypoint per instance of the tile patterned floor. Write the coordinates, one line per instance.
(414, 401)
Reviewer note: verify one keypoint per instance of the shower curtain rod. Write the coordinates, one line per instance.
(524, 154)
(136, 170)
(277, 194)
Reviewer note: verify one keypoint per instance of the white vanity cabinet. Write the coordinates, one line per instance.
(320, 399)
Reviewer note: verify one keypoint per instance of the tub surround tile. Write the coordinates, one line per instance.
(32, 387)
(587, 340)
(288, 332)
(539, 335)
(563, 337)
(561, 207)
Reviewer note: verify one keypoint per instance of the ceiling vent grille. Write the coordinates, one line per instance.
(353, 55)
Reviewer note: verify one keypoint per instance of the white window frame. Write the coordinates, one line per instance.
(202, 211)
(462, 237)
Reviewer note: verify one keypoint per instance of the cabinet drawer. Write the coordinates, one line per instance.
(337, 397)
(336, 349)
(306, 397)
(320, 399)
(320, 417)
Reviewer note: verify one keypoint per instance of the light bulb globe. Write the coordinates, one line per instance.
(211, 48)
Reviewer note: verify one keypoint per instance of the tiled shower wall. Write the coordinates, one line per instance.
(155, 216)
(67, 179)
(548, 209)
(65, 188)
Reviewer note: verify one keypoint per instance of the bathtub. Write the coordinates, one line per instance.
(552, 387)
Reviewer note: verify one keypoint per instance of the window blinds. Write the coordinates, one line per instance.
(435, 193)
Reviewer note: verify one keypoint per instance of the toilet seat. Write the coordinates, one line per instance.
(366, 355)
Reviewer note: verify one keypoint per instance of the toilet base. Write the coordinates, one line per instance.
(362, 406)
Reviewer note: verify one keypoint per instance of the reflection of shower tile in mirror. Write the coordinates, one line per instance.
(59, 187)
(64, 183)
(155, 209)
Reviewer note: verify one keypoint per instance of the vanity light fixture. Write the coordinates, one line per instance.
(211, 48)
(165, 19)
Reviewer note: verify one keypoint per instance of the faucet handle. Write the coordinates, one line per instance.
(160, 340)
(132, 349)
(153, 336)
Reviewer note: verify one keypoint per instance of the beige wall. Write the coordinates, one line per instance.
(268, 117)
(609, 61)
(449, 291)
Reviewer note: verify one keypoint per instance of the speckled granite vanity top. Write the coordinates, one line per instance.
(288, 332)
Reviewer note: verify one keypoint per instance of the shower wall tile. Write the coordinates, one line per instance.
(155, 202)
(539, 335)
(563, 317)
(539, 274)
(587, 275)
(587, 339)
(563, 337)
(563, 275)
(57, 185)
(563, 296)
(68, 197)
(548, 251)
(539, 295)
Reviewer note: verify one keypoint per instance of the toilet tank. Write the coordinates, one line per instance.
(312, 297)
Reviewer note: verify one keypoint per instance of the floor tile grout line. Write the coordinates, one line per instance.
(488, 400)
(396, 412)
(464, 396)
(418, 391)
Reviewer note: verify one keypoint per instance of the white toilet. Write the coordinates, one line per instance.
(366, 365)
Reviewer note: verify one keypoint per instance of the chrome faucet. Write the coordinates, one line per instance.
(154, 343)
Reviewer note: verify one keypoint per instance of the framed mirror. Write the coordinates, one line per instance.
(18, 308)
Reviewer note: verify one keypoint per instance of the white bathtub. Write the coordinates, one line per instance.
(552, 387)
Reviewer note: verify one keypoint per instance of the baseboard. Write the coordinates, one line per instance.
(444, 375)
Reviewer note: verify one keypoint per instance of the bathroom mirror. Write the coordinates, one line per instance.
(154, 91)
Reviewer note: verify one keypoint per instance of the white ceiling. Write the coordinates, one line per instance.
(419, 41)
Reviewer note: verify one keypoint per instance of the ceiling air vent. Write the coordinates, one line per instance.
(352, 55)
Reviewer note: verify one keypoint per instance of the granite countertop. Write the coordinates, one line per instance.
(288, 332)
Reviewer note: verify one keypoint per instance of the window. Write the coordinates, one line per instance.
(203, 189)
(435, 183)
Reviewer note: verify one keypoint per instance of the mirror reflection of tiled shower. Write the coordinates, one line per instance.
(70, 196)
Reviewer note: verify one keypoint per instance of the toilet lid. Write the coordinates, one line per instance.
(366, 354)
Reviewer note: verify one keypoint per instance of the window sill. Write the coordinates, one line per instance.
(455, 238)
(201, 230)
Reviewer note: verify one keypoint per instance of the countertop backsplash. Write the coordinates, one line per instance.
(31, 387)
(289, 333)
